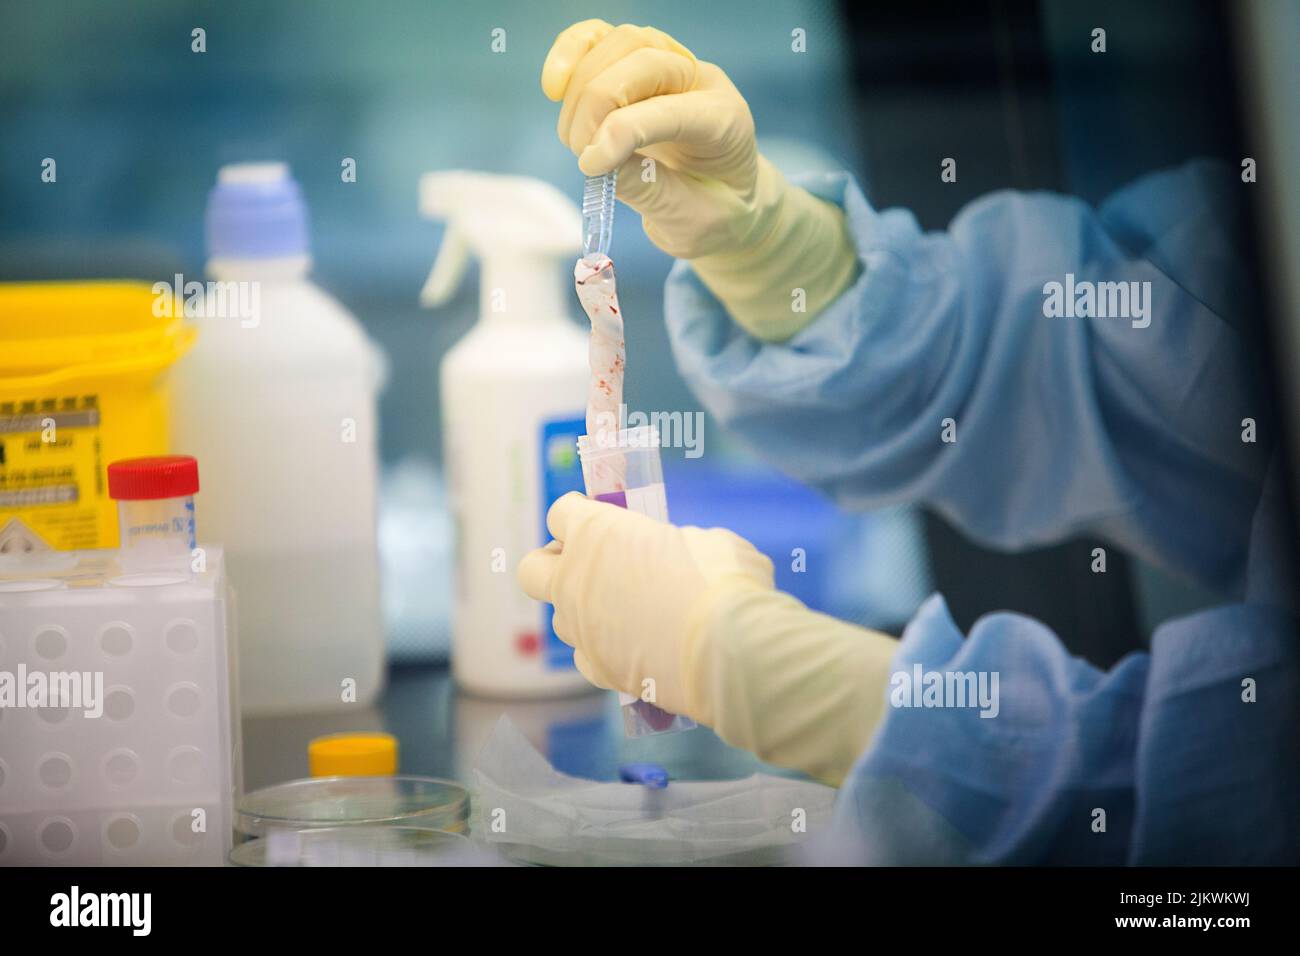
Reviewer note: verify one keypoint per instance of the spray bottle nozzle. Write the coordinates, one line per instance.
(521, 224)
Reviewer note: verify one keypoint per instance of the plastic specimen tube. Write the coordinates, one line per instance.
(627, 473)
(598, 214)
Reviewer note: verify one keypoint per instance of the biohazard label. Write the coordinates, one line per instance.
(51, 475)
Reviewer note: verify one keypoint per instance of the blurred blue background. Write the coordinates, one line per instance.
(139, 125)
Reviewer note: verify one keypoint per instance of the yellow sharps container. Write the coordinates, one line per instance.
(83, 382)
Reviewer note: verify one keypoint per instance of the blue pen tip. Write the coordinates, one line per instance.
(647, 774)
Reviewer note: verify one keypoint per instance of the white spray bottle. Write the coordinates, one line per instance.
(514, 391)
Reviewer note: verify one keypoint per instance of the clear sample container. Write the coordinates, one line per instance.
(155, 511)
(355, 846)
(403, 800)
(627, 472)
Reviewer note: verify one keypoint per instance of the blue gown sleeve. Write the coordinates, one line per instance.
(1188, 754)
(1111, 426)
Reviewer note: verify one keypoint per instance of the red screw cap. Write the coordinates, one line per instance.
(145, 479)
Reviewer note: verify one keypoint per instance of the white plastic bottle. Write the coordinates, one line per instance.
(278, 400)
(514, 390)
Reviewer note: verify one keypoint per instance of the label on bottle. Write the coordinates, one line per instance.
(561, 472)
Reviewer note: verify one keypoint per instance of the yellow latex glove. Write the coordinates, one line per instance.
(634, 93)
(696, 611)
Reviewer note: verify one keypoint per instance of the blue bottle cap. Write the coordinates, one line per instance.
(256, 211)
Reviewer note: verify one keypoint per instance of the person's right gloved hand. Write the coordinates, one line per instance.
(632, 94)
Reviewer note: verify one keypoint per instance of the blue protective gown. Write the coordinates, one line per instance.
(1063, 426)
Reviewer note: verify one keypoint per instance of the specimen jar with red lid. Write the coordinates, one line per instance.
(155, 508)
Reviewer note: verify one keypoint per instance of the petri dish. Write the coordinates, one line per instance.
(401, 800)
(388, 846)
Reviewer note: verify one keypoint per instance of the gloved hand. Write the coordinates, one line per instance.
(696, 611)
(632, 93)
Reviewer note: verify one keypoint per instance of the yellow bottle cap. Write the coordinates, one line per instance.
(353, 755)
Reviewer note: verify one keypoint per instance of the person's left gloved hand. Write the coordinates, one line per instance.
(696, 612)
(631, 593)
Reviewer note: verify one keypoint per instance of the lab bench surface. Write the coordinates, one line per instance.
(441, 729)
